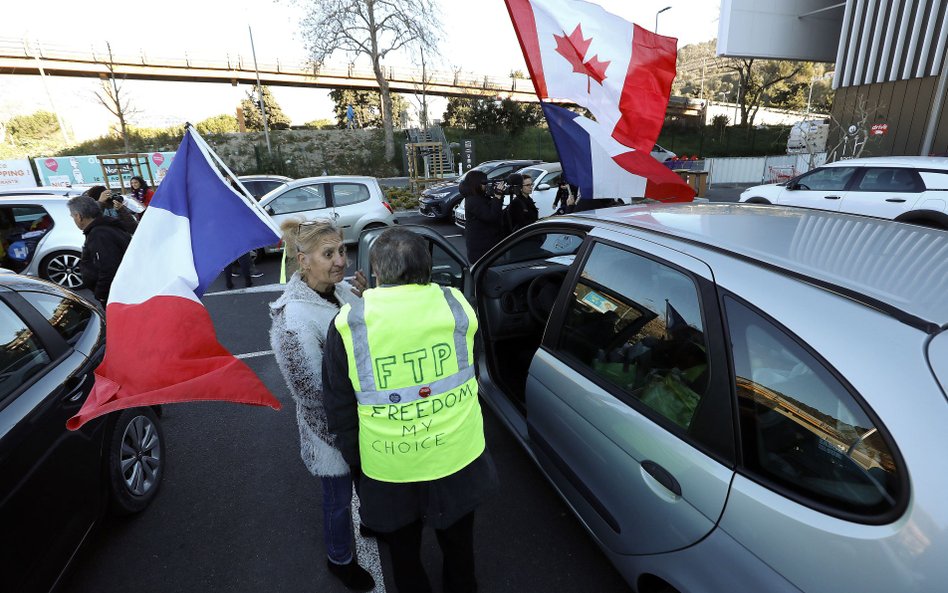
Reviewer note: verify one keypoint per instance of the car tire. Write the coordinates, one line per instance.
(373, 225)
(757, 201)
(136, 460)
(62, 268)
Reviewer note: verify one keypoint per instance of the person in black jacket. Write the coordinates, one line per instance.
(105, 245)
(113, 206)
(482, 212)
(522, 210)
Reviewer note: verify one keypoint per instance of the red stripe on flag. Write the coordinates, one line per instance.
(662, 183)
(525, 25)
(165, 351)
(646, 90)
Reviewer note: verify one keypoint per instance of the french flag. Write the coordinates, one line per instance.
(576, 51)
(160, 342)
(603, 168)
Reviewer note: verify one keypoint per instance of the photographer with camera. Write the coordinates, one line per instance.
(113, 206)
(483, 210)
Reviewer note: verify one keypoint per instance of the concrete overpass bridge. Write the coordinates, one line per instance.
(21, 57)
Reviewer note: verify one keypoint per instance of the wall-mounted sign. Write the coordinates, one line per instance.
(86, 170)
(16, 173)
(879, 129)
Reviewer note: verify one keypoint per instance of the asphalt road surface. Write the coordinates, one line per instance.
(238, 512)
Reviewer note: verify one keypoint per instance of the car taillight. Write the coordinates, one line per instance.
(386, 204)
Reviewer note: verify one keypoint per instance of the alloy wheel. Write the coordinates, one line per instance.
(63, 269)
(140, 456)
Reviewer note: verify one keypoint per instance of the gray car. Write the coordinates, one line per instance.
(729, 397)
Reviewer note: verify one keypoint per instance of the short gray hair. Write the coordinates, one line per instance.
(84, 207)
(400, 256)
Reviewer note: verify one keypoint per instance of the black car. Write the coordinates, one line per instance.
(261, 185)
(438, 201)
(55, 484)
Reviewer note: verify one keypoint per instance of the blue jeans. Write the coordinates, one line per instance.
(337, 518)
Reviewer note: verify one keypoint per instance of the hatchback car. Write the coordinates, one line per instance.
(729, 397)
(57, 484)
(39, 238)
(354, 203)
(261, 185)
(439, 200)
(906, 189)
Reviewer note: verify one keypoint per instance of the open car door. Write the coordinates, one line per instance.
(448, 266)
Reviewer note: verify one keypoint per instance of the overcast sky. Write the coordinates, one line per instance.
(479, 38)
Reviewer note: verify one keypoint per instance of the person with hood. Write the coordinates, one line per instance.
(300, 319)
(482, 211)
(522, 210)
(104, 247)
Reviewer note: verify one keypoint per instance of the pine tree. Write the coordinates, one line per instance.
(253, 118)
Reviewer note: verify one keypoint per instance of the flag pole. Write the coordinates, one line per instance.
(211, 156)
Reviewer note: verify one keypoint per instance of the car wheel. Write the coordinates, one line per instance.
(136, 460)
(757, 201)
(62, 267)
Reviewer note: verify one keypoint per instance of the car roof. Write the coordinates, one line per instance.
(43, 191)
(330, 178)
(898, 268)
(36, 198)
(264, 178)
(917, 162)
(545, 166)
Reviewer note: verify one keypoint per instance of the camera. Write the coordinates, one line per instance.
(118, 198)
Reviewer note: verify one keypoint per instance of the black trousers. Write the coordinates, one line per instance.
(244, 262)
(457, 549)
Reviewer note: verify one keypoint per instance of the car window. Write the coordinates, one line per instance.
(344, 194)
(300, 199)
(800, 427)
(559, 248)
(253, 187)
(553, 179)
(499, 172)
(21, 228)
(21, 354)
(636, 324)
(826, 179)
(69, 317)
(890, 180)
(445, 270)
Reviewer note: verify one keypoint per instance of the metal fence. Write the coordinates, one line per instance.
(761, 169)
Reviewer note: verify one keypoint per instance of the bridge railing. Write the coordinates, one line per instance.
(99, 54)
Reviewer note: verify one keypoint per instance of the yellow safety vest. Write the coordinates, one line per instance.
(411, 361)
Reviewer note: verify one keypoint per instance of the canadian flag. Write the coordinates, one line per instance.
(622, 73)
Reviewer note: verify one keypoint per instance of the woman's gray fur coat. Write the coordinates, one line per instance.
(301, 319)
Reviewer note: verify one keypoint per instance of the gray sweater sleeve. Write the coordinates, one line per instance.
(339, 398)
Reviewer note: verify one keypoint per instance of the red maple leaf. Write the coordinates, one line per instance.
(573, 47)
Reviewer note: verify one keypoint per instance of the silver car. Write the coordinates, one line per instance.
(39, 238)
(729, 397)
(355, 203)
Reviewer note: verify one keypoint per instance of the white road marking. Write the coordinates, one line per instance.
(254, 354)
(275, 287)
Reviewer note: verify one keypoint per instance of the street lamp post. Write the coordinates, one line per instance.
(658, 13)
(809, 97)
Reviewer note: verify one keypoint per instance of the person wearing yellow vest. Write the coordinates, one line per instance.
(401, 396)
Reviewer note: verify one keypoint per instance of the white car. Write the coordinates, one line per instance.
(903, 188)
(39, 238)
(546, 179)
(354, 203)
(661, 154)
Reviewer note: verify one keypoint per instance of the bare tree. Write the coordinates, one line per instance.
(115, 100)
(373, 28)
(852, 139)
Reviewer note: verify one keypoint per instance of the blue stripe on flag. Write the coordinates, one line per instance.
(223, 225)
(572, 144)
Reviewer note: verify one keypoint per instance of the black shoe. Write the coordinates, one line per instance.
(235, 274)
(256, 274)
(367, 531)
(352, 575)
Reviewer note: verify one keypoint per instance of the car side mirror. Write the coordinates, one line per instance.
(791, 185)
(443, 278)
(543, 187)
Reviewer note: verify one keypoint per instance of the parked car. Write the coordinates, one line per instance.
(58, 484)
(904, 188)
(261, 185)
(75, 190)
(439, 200)
(546, 179)
(39, 238)
(662, 154)
(355, 203)
(730, 398)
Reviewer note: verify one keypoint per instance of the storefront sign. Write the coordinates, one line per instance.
(879, 129)
(86, 170)
(16, 173)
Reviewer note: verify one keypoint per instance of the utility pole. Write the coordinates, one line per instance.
(263, 108)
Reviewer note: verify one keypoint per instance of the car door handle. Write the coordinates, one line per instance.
(896, 200)
(831, 197)
(74, 385)
(662, 476)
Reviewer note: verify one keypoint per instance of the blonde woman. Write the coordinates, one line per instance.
(301, 318)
